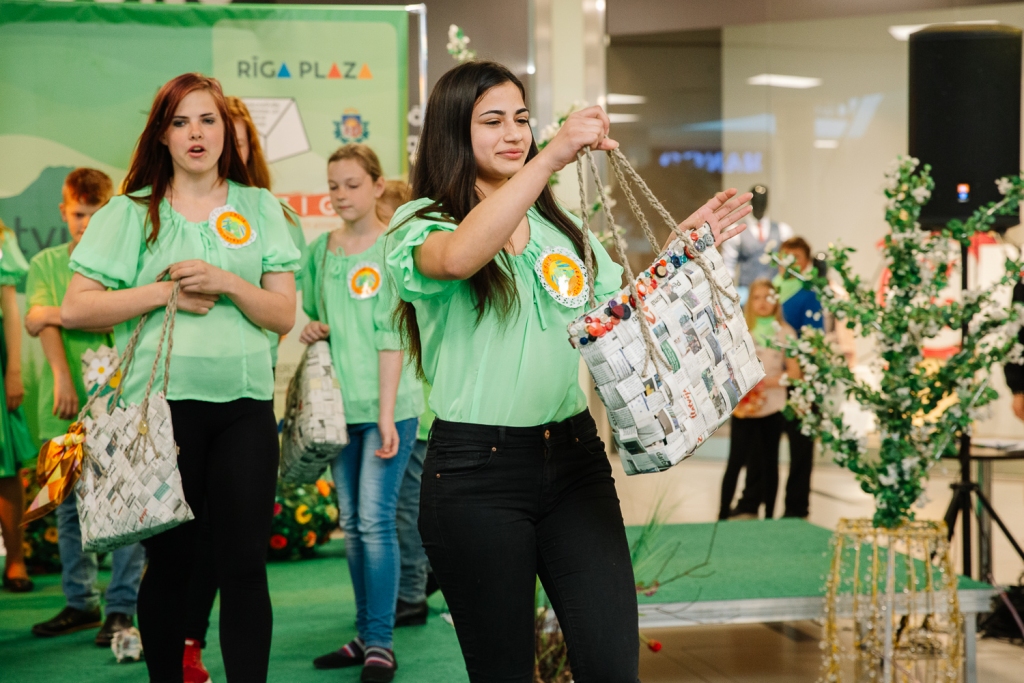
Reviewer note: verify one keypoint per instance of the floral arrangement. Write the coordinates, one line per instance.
(304, 517)
(42, 555)
(458, 45)
(920, 407)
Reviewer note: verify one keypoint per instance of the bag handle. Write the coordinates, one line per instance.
(624, 172)
(125, 361)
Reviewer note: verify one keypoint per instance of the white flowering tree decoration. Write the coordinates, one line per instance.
(921, 406)
(458, 45)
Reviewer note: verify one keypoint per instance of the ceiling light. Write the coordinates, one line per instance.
(623, 118)
(902, 33)
(783, 81)
(531, 69)
(616, 98)
(826, 144)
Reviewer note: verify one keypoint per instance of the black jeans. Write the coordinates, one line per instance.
(503, 505)
(754, 444)
(801, 461)
(228, 455)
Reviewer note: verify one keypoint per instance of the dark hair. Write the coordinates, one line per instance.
(151, 164)
(256, 165)
(445, 172)
(88, 186)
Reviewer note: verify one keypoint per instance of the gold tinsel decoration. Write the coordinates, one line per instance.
(906, 620)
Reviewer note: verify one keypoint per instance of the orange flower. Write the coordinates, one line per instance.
(310, 539)
(277, 541)
(50, 534)
(323, 487)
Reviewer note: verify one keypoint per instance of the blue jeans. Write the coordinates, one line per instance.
(412, 585)
(367, 499)
(79, 567)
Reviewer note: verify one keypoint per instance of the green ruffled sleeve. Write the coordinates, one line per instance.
(280, 255)
(13, 265)
(609, 273)
(110, 249)
(406, 233)
(385, 334)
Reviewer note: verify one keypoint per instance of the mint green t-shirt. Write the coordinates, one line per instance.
(519, 372)
(217, 357)
(299, 239)
(357, 304)
(48, 280)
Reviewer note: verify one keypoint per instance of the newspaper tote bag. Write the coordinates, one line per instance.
(670, 354)
(130, 487)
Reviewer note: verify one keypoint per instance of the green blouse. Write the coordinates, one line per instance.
(519, 372)
(217, 357)
(357, 304)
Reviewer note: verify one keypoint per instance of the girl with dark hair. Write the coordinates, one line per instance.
(516, 482)
(188, 206)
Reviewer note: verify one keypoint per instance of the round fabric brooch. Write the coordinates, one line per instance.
(564, 276)
(231, 227)
(364, 280)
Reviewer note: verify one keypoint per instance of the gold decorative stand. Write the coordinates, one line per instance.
(898, 587)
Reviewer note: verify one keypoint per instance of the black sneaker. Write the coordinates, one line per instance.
(68, 621)
(115, 622)
(410, 613)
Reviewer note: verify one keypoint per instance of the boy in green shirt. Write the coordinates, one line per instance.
(63, 393)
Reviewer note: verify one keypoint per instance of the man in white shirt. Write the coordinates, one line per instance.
(762, 235)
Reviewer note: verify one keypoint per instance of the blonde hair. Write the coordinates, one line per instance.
(396, 193)
(748, 310)
(363, 154)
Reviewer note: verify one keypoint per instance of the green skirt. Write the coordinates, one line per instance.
(17, 447)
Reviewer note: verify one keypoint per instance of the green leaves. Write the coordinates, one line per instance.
(920, 406)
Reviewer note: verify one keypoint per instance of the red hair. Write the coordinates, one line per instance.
(151, 164)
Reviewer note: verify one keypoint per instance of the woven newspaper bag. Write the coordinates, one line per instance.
(130, 487)
(314, 421)
(670, 353)
(314, 416)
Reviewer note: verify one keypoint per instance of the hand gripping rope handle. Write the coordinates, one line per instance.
(125, 361)
(624, 173)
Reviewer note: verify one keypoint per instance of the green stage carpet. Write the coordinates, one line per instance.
(314, 610)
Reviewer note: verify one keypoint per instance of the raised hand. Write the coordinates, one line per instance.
(584, 128)
(723, 213)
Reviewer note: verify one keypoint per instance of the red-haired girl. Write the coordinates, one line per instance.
(188, 205)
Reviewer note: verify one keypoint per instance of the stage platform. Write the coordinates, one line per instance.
(760, 571)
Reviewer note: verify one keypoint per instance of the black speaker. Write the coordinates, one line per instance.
(964, 118)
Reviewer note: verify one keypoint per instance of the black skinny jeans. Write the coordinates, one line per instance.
(754, 444)
(503, 505)
(228, 455)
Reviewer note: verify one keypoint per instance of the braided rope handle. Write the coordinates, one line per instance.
(624, 172)
(124, 362)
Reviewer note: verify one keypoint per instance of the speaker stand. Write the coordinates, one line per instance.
(960, 505)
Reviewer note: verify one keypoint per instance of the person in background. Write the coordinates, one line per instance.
(800, 308)
(744, 256)
(203, 588)
(187, 206)
(17, 448)
(351, 303)
(62, 394)
(411, 609)
(757, 422)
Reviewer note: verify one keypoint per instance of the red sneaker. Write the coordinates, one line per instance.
(192, 664)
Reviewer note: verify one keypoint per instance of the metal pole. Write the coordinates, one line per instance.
(984, 520)
(965, 439)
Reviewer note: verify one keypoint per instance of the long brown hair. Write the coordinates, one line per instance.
(446, 171)
(259, 172)
(151, 164)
